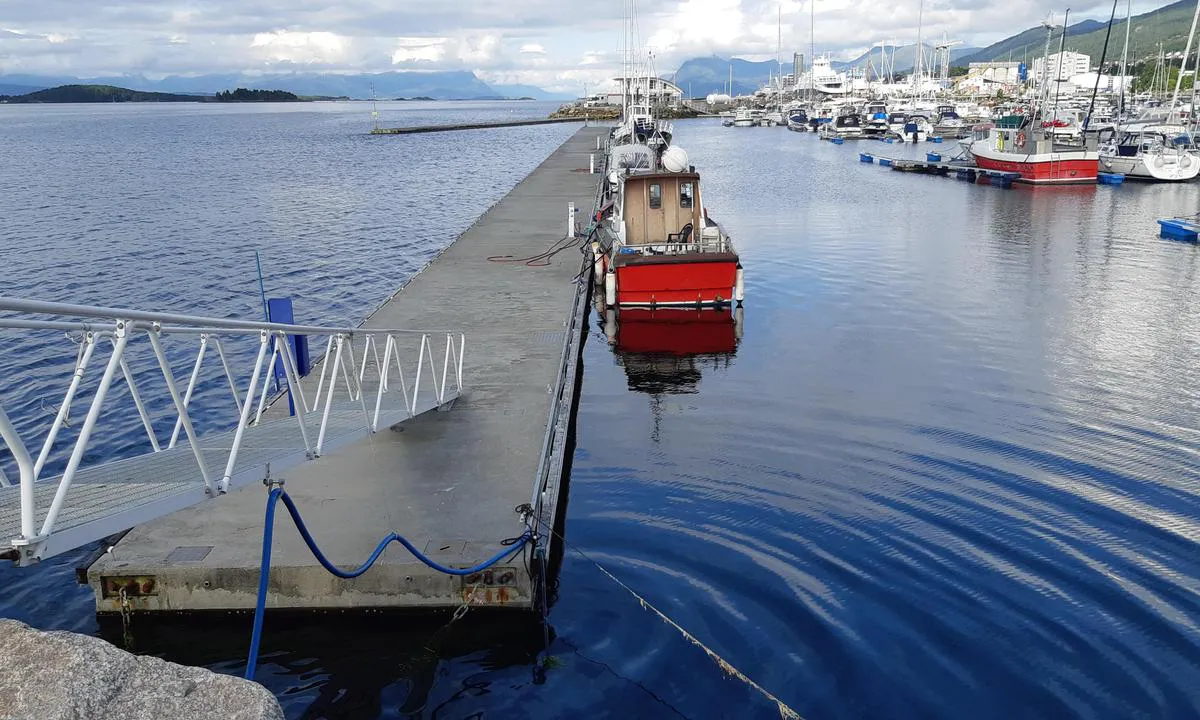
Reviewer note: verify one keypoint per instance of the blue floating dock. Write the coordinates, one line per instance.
(1179, 229)
(885, 162)
(866, 157)
(933, 157)
(1110, 178)
(934, 139)
(837, 140)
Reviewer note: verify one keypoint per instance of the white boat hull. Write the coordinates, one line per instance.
(1167, 166)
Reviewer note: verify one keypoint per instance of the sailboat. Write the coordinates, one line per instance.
(1147, 152)
(1026, 145)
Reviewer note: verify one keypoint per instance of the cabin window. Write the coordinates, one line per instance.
(655, 196)
(685, 195)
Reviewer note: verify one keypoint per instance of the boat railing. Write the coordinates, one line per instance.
(207, 429)
(717, 242)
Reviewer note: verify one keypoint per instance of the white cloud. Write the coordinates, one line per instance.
(300, 47)
(561, 44)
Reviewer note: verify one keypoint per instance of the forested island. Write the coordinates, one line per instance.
(244, 95)
(96, 94)
(113, 94)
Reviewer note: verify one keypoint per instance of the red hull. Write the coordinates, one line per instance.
(676, 283)
(1059, 172)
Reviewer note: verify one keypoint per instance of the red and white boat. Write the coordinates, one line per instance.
(1033, 153)
(656, 245)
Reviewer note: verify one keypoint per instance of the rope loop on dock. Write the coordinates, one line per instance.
(512, 546)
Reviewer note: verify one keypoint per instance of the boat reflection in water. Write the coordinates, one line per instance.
(665, 350)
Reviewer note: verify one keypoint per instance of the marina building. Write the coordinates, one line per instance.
(655, 91)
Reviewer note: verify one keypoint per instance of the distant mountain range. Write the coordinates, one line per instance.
(443, 85)
(1167, 25)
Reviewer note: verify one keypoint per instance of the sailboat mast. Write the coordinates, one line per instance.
(812, 43)
(1184, 61)
(1087, 120)
(779, 51)
(1124, 61)
(920, 51)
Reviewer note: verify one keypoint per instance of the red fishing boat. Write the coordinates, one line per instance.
(1034, 153)
(656, 245)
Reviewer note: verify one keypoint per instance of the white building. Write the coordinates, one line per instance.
(641, 89)
(1062, 66)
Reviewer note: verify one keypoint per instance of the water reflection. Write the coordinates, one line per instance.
(666, 351)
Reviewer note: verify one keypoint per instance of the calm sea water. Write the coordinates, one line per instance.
(949, 470)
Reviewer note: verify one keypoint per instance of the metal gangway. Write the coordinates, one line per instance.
(368, 379)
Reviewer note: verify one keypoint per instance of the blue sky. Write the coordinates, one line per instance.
(559, 45)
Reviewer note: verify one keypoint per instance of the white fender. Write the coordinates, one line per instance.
(610, 288)
(739, 285)
(597, 264)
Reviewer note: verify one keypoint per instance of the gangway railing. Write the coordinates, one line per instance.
(225, 430)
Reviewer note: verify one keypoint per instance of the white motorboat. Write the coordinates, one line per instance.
(744, 117)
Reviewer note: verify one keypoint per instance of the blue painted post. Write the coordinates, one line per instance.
(279, 310)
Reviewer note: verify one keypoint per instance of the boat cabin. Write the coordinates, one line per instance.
(661, 208)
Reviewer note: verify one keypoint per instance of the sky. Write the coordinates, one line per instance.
(558, 45)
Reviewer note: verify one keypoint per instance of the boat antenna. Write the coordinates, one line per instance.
(1062, 49)
(1087, 120)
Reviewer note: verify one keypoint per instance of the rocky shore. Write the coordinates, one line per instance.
(64, 676)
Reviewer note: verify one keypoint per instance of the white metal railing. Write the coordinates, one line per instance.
(387, 375)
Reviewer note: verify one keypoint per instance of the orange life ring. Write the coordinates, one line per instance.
(1021, 138)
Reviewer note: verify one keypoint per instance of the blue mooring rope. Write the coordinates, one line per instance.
(264, 572)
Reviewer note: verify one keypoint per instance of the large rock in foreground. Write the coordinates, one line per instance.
(65, 676)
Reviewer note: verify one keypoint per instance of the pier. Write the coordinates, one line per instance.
(447, 481)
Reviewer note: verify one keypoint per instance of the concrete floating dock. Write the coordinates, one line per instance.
(447, 481)
(417, 129)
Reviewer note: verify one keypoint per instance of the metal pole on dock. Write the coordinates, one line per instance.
(571, 220)
(592, 164)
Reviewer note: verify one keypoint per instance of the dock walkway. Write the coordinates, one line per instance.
(448, 481)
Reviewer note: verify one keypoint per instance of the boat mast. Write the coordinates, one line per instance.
(1184, 61)
(812, 44)
(1044, 95)
(920, 52)
(1124, 62)
(1087, 120)
(1062, 48)
(779, 51)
